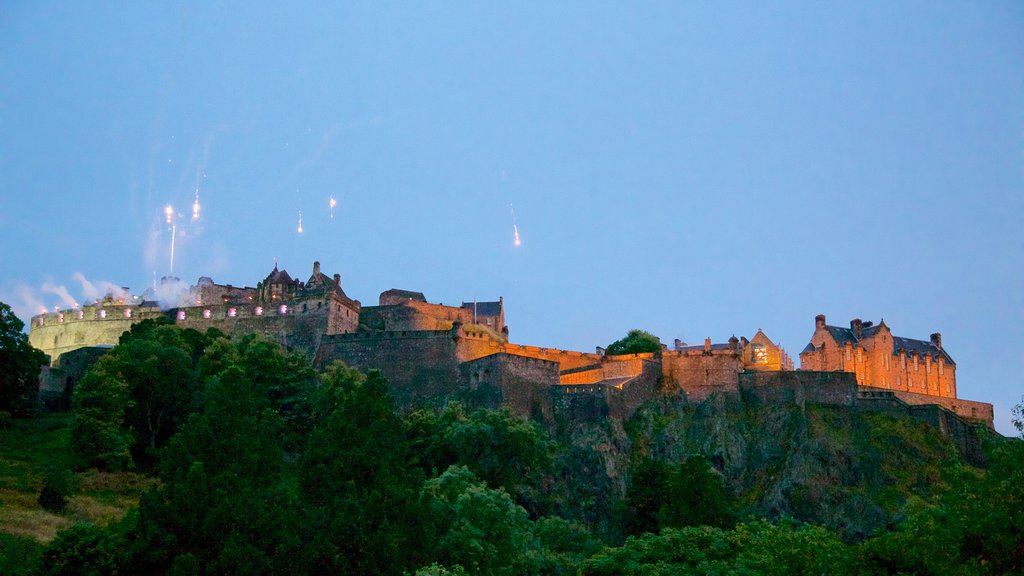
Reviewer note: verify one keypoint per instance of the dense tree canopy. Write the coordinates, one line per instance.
(635, 342)
(19, 365)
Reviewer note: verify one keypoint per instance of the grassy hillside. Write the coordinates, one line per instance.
(28, 448)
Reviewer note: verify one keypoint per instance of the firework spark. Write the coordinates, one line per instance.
(515, 228)
(300, 221)
(332, 203)
(195, 207)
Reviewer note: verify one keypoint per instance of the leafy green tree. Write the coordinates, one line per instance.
(357, 480)
(504, 451)
(757, 547)
(19, 365)
(58, 484)
(134, 397)
(476, 527)
(694, 496)
(223, 503)
(564, 545)
(635, 342)
(1018, 418)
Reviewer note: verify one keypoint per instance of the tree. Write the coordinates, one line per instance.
(635, 342)
(357, 480)
(19, 365)
(476, 527)
(757, 547)
(135, 397)
(1018, 418)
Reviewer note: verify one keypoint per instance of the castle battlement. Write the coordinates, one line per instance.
(431, 351)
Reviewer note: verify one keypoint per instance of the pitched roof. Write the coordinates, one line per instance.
(920, 347)
(910, 345)
(279, 277)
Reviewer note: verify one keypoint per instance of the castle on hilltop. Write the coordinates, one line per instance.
(431, 352)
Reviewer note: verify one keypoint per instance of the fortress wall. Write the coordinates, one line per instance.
(836, 388)
(960, 431)
(476, 345)
(421, 366)
(56, 334)
(700, 375)
(968, 409)
(300, 327)
(519, 382)
(636, 391)
(408, 317)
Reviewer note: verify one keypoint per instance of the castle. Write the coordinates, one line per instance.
(431, 352)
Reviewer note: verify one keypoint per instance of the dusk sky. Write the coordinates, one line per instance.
(691, 169)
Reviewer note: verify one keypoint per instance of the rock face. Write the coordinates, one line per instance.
(849, 469)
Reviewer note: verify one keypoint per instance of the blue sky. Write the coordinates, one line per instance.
(692, 169)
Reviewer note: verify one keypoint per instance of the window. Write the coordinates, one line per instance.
(282, 309)
(127, 312)
(207, 313)
(181, 314)
(103, 314)
(758, 354)
(81, 314)
(232, 312)
(259, 310)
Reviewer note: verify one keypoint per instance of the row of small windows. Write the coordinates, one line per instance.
(233, 312)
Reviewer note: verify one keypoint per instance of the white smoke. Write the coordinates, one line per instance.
(171, 293)
(100, 289)
(61, 292)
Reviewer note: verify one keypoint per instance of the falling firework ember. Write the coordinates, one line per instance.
(195, 207)
(300, 221)
(515, 228)
(169, 213)
(332, 204)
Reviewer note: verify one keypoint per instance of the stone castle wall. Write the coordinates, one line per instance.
(521, 383)
(966, 409)
(701, 374)
(800, 386)
(99, 325)
(421, 365)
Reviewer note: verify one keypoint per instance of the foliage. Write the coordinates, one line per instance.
(635, 342)
(477, 527)
(19, 365)
(757, 547)
(688, 493)
(499, 448)
(136, 397)
(357, 479)
(19, 555)
(976, 527)
(58, 484)
(1018, 418)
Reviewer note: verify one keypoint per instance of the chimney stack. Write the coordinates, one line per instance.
(858, 327)
(316, 267)
(937, 340)
(337, 280)
(677, 344)
(707, 345)
(819, 322)
(734, 343)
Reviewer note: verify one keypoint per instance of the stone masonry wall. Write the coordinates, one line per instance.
(836, 388)
(97, 325)
(421, 366)
(968, 409)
